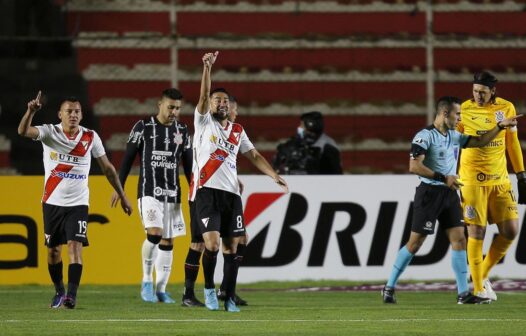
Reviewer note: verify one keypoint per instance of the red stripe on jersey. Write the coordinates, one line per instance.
(217, 158)
(235, 134)
(82, 146)
(53, 180)
(80, 150)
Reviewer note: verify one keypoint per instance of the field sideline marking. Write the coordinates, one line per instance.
(266, 321)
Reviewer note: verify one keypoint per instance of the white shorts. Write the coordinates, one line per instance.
(166, 216)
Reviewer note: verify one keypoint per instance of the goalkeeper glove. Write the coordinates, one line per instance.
(521, 187)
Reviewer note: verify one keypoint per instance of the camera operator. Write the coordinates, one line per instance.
(310, 151)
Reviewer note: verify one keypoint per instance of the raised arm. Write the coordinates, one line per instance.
(109, 171)
(24, 128)
(262, 164)
(484, 139)
(206, 82)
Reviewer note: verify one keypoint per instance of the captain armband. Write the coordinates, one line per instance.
(416, 151)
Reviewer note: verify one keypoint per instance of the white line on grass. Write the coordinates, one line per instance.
(267, 321)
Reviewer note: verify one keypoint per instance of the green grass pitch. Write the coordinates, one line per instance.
(118, 310)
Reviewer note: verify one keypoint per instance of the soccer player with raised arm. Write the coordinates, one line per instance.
(434, 156)
(197, 246)
(215, 187)
(487, 194)
(162, 143)
(68, 149)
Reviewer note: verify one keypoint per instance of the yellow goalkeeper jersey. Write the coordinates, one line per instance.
(484, 165)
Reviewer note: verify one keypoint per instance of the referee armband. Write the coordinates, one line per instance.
(416, 151)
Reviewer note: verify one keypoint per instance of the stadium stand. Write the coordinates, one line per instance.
(361, 62)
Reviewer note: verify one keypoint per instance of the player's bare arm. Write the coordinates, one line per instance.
(417, 166)
(262, 164)
(24, 128)
(204, 97)
(484, 139)
(110, 173)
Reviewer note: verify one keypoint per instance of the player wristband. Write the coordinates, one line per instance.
(439, 177)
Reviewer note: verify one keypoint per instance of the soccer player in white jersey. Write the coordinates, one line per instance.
(68, 149)
(217, 198)
(162, 143)
(197, 246)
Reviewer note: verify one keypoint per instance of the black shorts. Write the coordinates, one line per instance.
(219, 210)
(195, 230)
(62, 224)
(432, 203)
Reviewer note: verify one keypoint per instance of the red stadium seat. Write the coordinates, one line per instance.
(391, 43)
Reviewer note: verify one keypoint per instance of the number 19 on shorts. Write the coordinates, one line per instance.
(83, 226)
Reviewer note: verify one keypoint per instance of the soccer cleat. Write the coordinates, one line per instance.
(69, 302)
(469, 298)
(221, 295)
(388, 294)
(230, 306)
(147, 293)
(489, 290)
(164, 297)
(57, 301)
(191, 301)
(211, 299)
(239, 301)
(482, 294)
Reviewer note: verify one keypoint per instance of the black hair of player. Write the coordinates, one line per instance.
(446, 103)
(172, 93)
(220, 89)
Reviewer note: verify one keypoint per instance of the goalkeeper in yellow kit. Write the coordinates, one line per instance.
(487, 195)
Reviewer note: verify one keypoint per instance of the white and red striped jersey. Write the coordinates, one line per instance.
(215, 153)
(67, 163)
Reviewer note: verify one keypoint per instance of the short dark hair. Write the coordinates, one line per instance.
(220, 89)
(313, 121)
(172, 93)
(72, 99)
(446, 103)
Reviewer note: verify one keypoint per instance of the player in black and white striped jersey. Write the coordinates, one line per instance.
(162, 143)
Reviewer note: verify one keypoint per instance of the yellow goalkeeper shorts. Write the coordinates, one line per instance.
(484, 205)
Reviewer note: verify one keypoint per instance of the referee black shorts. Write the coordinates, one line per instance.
(434, 203)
